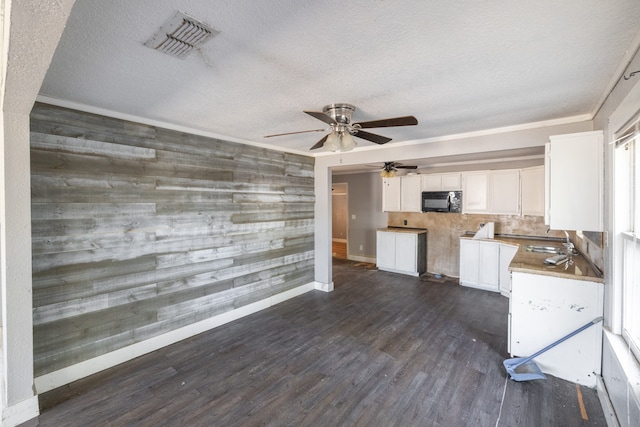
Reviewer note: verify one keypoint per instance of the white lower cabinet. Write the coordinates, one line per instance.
(485, 264)
(543, 309)
(507, 252)
(402, 252)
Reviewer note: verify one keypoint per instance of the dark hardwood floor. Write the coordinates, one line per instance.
(381, 350)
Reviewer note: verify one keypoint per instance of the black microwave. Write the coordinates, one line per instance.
(442, 201)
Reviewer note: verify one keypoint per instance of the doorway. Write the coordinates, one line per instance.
(339, 220)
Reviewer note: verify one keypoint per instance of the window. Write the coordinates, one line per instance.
(627, 214)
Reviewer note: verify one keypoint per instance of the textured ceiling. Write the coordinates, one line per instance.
(458, 66)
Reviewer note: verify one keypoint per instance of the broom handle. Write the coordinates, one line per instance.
(566, 337)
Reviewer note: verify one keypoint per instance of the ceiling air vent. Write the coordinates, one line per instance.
(180, 36)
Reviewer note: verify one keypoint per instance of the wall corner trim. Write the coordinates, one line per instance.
(20, 412)
(324, 287)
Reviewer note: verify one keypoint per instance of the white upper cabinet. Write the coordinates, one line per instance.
(504, 192)
(532, 191)
(574, 177)
(491, 192)
(507, 192)
(442, 182)
(451, 181)
(391, 194)
(475, 191)
(411, 193)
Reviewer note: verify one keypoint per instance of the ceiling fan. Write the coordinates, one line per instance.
(390, 169)
(338, 116)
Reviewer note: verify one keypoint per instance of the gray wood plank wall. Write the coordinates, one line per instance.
(138, 230)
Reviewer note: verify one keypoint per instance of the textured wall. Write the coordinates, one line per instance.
(138, 230)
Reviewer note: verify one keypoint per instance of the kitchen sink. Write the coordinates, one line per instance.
(545, 249)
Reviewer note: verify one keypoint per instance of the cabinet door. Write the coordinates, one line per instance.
(474, 192)
(391, 194)
(451, 182)
(488, 266)
(469, 261)
(507, 252)
(411, 186)
(386, 249)
(505, 192)
(532, 191)
(406, 256)
(431, 182)
(575, 181)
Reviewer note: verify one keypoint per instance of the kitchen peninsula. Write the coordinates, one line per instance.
(547, 302)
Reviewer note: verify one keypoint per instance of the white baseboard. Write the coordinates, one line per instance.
(361, 259)
(605, 402)
(324, 287)
(83, 369)
(20, 412)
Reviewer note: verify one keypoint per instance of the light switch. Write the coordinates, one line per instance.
(353, 216)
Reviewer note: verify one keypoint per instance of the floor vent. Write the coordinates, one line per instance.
(180, 36)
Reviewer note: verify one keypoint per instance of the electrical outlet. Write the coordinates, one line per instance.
(361, 248)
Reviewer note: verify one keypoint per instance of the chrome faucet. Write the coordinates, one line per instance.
(568, 245)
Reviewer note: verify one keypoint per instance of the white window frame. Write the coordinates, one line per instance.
(627, 232)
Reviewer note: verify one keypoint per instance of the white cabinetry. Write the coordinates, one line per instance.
(532, 191)
(442, 182)
(542, 310)
(402, 251)
(479, 264)
(485, 264)
(391, 194)
(507, 252)
(491, 192)
(574, 175)
(504, 192)
(411, 193)
(474, 192)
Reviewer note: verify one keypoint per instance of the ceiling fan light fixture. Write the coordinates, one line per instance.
(387, 173)
(332, 143)
(347, 142)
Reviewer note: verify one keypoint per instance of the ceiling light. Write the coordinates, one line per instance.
(333, 142)
(347, 142)
(339, 139)
(387, 173)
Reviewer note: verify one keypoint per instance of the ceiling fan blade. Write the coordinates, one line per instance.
(378, 139)
(406, 167)
(383, 123)
(322, 116)
(293, 133)
(319, 143)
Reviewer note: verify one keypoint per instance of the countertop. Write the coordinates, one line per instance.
(578, 267)
(404, 230)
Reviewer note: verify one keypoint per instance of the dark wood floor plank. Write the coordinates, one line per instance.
(381, 350)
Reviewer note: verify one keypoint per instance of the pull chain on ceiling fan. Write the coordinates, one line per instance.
(338, 117)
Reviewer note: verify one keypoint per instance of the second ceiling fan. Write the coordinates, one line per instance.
(338, 116)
